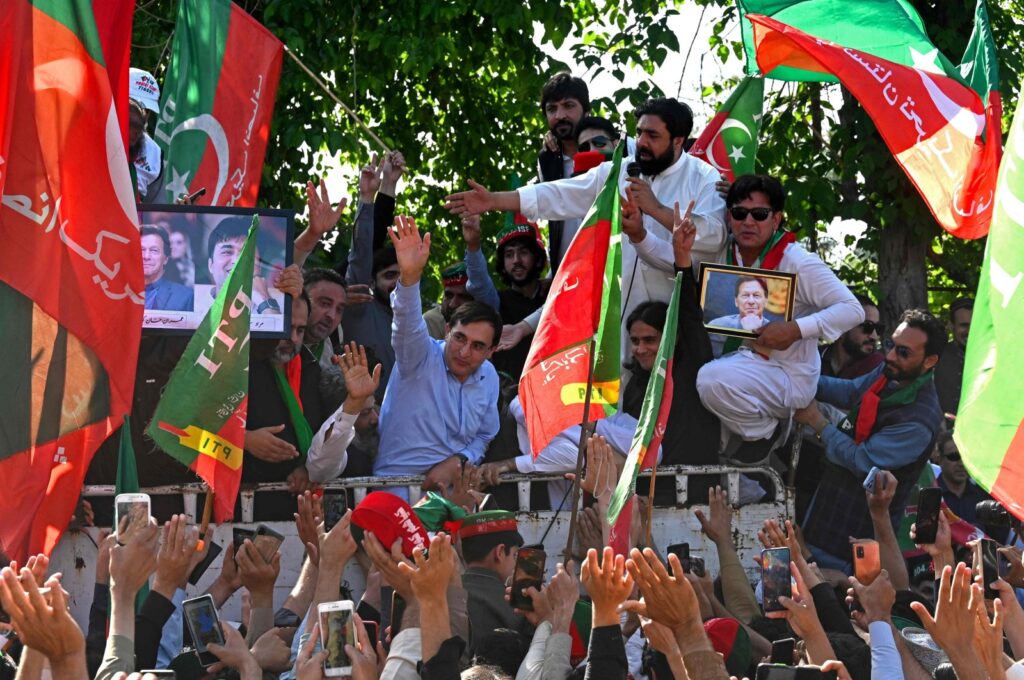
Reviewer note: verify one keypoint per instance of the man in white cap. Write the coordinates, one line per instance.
(145, 155)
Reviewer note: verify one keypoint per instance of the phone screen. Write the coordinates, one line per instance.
(989, 566)
(682, 551)
(238, 536)
(782, 651)
(335, 503)
(529, 574)
(338, 631)
(775, 578)
(201, 616)
(929, 501)
(132, 517)
(267, 541)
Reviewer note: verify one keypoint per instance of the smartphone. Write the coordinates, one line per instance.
(387, 594)
(200, 569)
(204, 626)
(529, 574)
(372, 631)
(163, 673)
(697, 567)
(867, 563)
(198, 194)
(238, 536)
(929, 503)
(337, 629)
(987, 555)
(131, 515)
(775, 579)
(334, 504)
(869, 481)
(267, 542)
(682, 551)
(774, 671)
(782, 651)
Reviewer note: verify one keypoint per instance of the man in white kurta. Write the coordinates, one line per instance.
(668, 175)
(764, 381)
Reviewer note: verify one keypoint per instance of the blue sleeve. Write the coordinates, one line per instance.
(360, 255)
(171, 637)
(887, 449)
(480, 285)
(409, 336)
(843, 393)
(477, 447)
(885, 657)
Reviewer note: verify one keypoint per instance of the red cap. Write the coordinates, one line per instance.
(388, 517)
(585, 160)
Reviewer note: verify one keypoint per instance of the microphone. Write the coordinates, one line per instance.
(633, 169)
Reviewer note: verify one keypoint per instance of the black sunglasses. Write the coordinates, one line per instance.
(870, 327)
(759, 214)
(902, 351)
(952, 457)
(600, 141)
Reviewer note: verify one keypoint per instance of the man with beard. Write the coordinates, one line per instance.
(668, 175)
(564, 101)
(856, 352)
(143, 152)
(892, 423)
(326, 291)
(454, 280)
(521, 259)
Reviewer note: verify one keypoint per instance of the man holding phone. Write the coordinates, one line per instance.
(892, 423)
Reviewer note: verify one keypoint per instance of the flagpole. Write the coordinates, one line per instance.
(580, 453)
(323, 86)
(650, 505)
(205, 524)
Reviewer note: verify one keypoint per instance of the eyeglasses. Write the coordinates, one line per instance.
(870, 327)
(902, 351)
(459, 340)
(600, 142)
(953, 457)
(759, 214)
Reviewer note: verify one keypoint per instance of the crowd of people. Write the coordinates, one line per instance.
(370, 383)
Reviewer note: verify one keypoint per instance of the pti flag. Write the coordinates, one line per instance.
(217, 102)
(583, 306)
(889, 29)
(980, 68)
(70, 265)
(729, 142)
(200, 419)
(933, 124)
(650, 427)
(990, 423)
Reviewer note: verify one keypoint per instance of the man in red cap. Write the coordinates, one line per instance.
(521, 260)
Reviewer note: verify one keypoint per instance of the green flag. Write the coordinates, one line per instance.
(990, 423)
(891, 29)
(729, 142)
(127, 481)
(980, 68)
(200, 419)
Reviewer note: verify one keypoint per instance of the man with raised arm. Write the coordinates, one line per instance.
(440, 407)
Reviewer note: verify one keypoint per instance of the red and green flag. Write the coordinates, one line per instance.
(980, 68)
(650, 428)
(933, 124)
(990, 423)
(729, 142)
(216, 104)
(70, 264)
(127, 481)
(889, 29)
(200, 419)
(583, 307)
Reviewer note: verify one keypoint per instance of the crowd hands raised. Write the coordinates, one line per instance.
(475, 609)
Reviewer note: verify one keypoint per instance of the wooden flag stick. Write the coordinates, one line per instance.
(581, 452)
(650, 505)
(205, 524)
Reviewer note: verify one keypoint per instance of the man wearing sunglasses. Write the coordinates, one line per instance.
(856, 352)
(597, 134)
(959, 491)
(892, 421)
(756, 385)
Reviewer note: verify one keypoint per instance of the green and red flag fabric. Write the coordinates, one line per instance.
(114, 25)
(650, 427)
(127, 481)
(980, 67)
(70, 266)
(200, 419)
(933, 124)
(990, 422)
(584, 306)
(216, 104)
(729, 142)
(889, 29)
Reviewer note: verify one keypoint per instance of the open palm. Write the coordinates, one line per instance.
(411, 250)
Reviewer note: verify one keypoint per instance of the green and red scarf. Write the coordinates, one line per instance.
(289, 380)
(861, 418)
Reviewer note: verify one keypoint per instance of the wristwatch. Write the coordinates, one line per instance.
(269, 303)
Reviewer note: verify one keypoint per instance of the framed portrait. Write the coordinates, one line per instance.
(739, 300)
(188, 251)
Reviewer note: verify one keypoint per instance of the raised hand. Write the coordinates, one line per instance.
(430, 576)
(632, 219)
(258, 575)
(323, 217)
(387, 563)
(307, 519)
(684, 233)
(608, 584)
(471, 232)
(359, 382)
(473, 202)
(953, 625)
(411, 250)
(267, 446)
(310, 665)
(234, 653)
(666, 599)
(602, 475)
(370, 178)
(175, 557)
(394, 166)
(881, 496)
(941, 551)
(876, 599)
(289, 281)
(42, 620)
(718, 527)
(513, 334)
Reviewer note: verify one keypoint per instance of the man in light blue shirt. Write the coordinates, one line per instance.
(441, 405)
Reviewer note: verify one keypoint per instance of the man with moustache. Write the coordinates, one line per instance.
(893, 419)
(668, 175)
(454, 284)
(564, 101)
(856, 352)
(326, 291)
(521, 259)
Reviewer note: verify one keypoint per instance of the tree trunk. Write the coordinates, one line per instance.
(902, 272)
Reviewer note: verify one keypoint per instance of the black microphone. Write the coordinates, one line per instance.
(633, 169)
